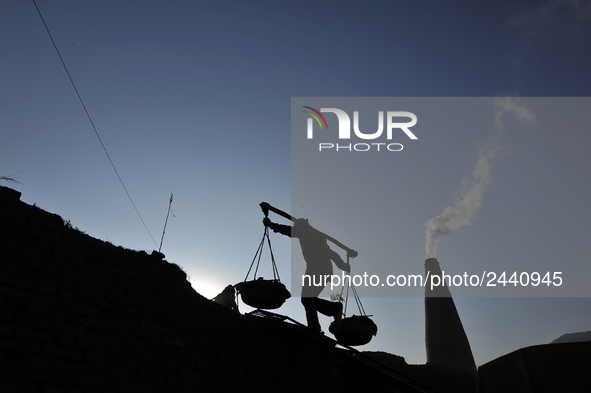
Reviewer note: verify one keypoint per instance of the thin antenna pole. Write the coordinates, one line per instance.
(166, 222)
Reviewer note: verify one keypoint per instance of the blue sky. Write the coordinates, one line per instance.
(194, 98)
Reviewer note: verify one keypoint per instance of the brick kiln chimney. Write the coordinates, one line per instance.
(445, 339)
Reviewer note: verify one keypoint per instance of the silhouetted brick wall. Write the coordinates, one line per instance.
(80, 315)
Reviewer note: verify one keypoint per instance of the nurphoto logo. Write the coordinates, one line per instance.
(393, 122)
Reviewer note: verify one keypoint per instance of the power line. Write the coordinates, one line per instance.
(92, 123)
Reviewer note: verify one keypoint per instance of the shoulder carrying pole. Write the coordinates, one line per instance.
(266, 208)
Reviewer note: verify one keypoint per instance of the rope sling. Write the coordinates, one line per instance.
(357, 329)
(351, 286)
(259, 254)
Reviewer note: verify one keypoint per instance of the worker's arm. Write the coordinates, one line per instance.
(336, 258)
(283, 229)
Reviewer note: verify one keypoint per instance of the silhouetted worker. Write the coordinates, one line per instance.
(319, 258)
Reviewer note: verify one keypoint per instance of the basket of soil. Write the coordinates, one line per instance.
(354, 330)
(263, 294)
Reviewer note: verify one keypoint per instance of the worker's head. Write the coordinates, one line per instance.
(302, 223)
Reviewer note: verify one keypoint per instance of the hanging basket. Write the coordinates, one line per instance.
(261, 293)
(355, 330)
(264, 294)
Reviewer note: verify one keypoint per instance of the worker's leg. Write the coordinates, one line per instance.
(310, 303)
(311, 314)
(313, 306)
(330, 309)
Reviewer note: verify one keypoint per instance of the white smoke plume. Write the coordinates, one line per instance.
(470, 198)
